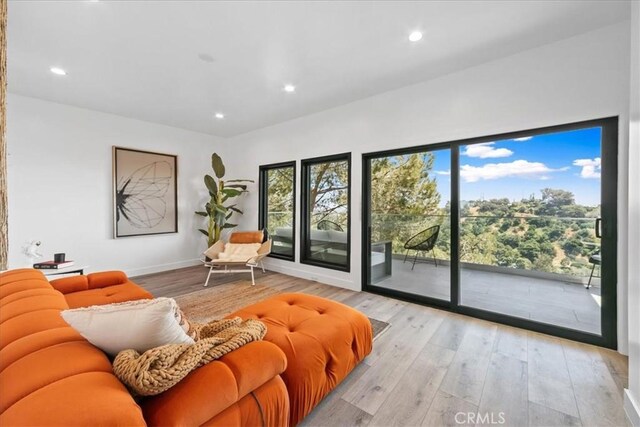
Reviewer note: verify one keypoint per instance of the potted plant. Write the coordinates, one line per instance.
(218, 209)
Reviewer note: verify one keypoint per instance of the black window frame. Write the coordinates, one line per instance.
(305, 225)
(609, 213)
(263, 204)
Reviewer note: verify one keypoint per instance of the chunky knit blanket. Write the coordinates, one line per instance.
(160, 368)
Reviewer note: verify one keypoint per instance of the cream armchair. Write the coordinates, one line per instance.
(245, 248)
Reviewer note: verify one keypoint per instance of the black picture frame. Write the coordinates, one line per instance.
(145, 193)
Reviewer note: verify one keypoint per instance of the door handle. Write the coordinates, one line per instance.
(598, 227)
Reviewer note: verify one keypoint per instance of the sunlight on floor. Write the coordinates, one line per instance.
(597, 299)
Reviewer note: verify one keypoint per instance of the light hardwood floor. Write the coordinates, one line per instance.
(434, 368)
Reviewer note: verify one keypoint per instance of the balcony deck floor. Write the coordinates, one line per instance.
(560, 303)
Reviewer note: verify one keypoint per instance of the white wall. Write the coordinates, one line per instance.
(632, 395)
(581, 78)
(60, 186)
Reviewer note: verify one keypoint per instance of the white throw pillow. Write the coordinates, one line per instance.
(139, 325)
(239, 252)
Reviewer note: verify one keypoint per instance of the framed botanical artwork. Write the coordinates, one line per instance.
(145, 193)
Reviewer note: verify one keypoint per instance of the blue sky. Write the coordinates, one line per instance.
(518, 168)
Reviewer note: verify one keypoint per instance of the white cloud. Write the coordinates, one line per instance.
(448, 172)
(486, 150)
(591, 168)
(515, 169)
(524, 138)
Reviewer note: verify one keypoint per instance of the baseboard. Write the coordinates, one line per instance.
(273, 265)
(631, 408)
(162, 267)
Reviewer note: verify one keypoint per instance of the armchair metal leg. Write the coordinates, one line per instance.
(433, 254)
(415, 258)
(262, 266)
(208, 275)
(590, 276)
(405, 256)
(253, 279)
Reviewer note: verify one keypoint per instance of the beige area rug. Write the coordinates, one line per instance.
(218, 301)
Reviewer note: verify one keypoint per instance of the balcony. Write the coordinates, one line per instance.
(531, 267)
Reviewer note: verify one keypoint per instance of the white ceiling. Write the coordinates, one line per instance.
(142, 59)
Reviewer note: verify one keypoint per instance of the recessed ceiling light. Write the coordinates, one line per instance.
(415, 36)
(219, 116)
(58, 71)
(289, 88)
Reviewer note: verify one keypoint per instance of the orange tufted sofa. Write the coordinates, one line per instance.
(50, 375)
(322, 339)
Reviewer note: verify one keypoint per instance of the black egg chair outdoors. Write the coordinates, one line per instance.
(424, 241)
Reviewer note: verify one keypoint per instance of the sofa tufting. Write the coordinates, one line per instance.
(322, 339)
(50, 375)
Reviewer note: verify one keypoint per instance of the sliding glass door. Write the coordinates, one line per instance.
(518, 228)
(410, 223)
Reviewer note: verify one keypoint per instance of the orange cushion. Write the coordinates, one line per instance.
(67, 285)
(48, 365)
(273, 406)
(34, 342)
(106, 278)
(49, 374)
(110, 294)
(90, 399)
(233, 376)
(322, 339)
(246, 237)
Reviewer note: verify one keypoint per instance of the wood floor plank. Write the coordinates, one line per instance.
(549, 380)
(479, 337)
(451, 332)
(409, 401)
(511, 342)
(505, 392)
(333, 410)
(618, 365)
(597, 396)
(466, 375)
(339, 413)
(397, 353)
(449, 411)
(542, 416)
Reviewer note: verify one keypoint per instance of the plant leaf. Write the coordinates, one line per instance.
(205, 232)
(218, 166)
(201, 213)
(232, 192)
(229, 225)
(211, 185)
(243, 187)
(229, 215)
(220, 219)
(235, 210)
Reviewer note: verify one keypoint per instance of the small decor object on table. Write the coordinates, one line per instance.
(52, 265)
(145, 194)
(31, 251)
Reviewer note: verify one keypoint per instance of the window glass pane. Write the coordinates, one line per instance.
(279, 218)
(410, 223)
(328, 213)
